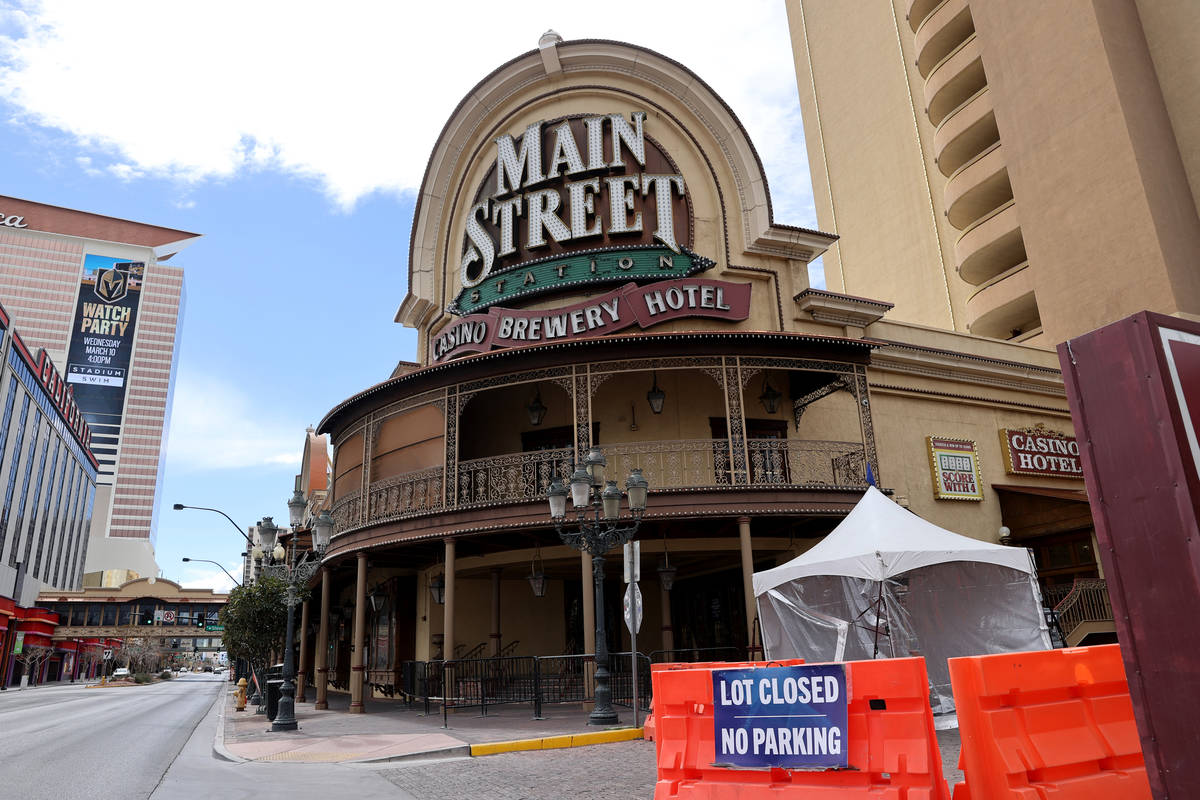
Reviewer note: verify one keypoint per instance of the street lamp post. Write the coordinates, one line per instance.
(297, 575)
(597, 533)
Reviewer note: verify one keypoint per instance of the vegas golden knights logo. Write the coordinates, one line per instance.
(111, 285)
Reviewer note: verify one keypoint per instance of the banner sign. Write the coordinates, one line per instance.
(790, 717)
(606, 266)
(955, 467)
(102, 337)
(630, 305)
(1040, 451)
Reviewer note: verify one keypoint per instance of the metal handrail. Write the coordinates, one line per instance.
(1086, 602)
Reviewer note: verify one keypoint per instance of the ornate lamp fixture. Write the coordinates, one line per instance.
(537, 576)
(437, 587)
(536, 409)
(769, 397)
(656, 396)
(666, 573)
(597, 506)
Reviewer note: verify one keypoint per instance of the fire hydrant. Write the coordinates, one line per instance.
(239, 697)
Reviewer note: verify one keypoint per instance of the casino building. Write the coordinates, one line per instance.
(98, 296)
(594, 262)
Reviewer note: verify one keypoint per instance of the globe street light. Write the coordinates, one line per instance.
(597, 533)
(297, 575)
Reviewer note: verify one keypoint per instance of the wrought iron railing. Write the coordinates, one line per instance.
(538, 680)
(1087, 602)
(513, 477)
(412, 492)
(676, 464)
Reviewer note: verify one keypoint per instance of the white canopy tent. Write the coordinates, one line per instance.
(886, 583)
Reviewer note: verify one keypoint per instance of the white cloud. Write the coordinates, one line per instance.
(207, 576)
(214, 426)
(352, 95)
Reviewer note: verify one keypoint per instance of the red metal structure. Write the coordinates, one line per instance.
(1134, 389)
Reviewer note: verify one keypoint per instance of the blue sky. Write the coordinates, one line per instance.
(301, 173)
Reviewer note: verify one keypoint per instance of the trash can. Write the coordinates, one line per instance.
(274, 690)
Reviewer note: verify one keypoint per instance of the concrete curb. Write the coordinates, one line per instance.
(219, 750)
(555, 742)
(426, 755)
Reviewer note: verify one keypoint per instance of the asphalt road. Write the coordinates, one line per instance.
(70, 742)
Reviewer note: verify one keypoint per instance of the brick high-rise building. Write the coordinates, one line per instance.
(98, 295)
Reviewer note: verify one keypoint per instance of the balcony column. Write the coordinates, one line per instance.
(448, 608)
(495, 635)
(302, 670)
(357, 645)
(322, 654)
(747, 578)
(589, 603)
(865, 423)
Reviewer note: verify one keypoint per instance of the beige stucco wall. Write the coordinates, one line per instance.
(869, 142)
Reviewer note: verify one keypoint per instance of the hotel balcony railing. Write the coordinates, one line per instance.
(686, 464)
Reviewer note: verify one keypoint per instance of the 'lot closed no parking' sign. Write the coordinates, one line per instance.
(792, 717)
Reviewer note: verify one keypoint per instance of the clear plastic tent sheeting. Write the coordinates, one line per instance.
(887, 584)
(940, 611)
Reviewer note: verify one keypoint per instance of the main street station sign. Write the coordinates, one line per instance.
(571, 202)
(1039, 451)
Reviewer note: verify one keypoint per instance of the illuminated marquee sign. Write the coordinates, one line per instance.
(575, 201)
(955, 467)
(1040, 451)
(629, 305)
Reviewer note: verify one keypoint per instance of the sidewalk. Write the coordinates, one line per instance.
(389, 731)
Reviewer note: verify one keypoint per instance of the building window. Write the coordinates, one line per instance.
(12, 478)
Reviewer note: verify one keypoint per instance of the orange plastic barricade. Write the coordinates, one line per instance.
(891, 745)
(1047, 725)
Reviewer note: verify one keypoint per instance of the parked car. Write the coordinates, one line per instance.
(121, 672)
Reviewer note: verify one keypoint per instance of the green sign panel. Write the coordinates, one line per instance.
(607, 265)
(214, 628)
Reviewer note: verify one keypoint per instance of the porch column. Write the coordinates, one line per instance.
(302, 670)
(322, 654)
(589, 602)
(668, 633)
(747, 579)
(357, 644)
(448, 609)
(495, 635)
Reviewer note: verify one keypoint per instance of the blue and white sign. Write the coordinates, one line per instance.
(792, 717)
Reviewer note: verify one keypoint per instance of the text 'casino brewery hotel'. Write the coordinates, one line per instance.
(96, 306)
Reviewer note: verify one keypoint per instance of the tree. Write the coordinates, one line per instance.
(32, 658)
(255, 620)
(140, 654)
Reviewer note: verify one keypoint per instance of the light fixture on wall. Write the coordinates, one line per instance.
(536, 409)
(666, 573)
(537, 576)
(769, 397)
(437, 587)
(656, 396)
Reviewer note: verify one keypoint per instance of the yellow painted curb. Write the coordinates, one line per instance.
(554, 742)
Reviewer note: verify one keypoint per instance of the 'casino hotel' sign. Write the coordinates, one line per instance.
(1040, 451)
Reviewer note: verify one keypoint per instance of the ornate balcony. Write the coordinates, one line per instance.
(669, 465)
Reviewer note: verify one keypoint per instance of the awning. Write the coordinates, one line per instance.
(1071, 495)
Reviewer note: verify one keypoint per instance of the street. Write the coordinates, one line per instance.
(71, 742)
